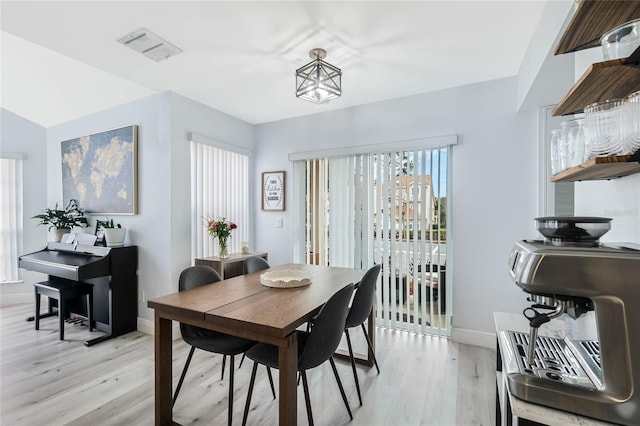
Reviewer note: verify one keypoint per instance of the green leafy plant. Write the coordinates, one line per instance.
(108, 224)
(66, 218)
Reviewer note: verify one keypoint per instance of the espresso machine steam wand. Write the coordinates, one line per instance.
(536, 319)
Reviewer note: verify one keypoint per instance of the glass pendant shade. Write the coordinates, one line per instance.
(318, 81)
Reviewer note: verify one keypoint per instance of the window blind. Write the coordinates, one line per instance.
(10, 218)
(219, 188)
(386, 208)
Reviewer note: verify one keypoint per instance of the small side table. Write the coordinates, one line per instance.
(230, 267)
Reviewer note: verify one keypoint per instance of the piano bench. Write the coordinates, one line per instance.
(62, 291)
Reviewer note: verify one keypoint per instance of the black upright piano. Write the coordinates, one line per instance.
(111, 270)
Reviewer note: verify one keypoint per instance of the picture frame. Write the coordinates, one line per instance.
(273, 191)
(99, 233)
(100, 171)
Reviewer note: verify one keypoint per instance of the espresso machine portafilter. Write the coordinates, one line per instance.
(537, 318)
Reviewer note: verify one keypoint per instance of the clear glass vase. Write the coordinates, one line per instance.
(224, 248)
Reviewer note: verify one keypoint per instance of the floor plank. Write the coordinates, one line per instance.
(424, 380)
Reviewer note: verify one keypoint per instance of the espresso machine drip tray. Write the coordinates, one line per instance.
(554, 359)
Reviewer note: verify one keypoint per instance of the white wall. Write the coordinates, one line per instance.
(544, 78)
(493, 187)
(150, 228)
(161, 229)
(618, 199)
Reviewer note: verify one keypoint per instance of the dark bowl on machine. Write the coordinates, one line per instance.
(586, 230)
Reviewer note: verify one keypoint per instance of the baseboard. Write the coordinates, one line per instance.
(147, 326)
(473, 337)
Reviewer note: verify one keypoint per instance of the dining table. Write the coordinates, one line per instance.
(242, 306)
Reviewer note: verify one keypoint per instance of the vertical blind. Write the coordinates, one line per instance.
(219, 188)
(385, 208)
(10, 217)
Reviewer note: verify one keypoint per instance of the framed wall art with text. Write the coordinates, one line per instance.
(273, 191)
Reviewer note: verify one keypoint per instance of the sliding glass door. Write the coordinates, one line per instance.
(386, 208)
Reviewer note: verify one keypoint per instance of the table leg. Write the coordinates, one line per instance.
(288, 403)
(163, 379)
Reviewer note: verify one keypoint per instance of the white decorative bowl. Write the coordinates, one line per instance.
(285, 279)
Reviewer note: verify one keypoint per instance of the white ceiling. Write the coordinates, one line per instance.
(62, 60)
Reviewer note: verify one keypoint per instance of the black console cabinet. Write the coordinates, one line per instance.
(115, 306)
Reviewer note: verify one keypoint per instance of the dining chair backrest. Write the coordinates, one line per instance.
(326, 332)
(255, 264)
(363, 299)
(192, 277)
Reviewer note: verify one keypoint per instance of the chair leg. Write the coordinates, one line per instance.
(375, 361)
(62, 309)
(241, 361)
(353, 364)
(249, 393)
(224, 362)
(273, 389)
(305, 387)
(344, 396)
(90, 309)
(230, 415)
(184, 373)
(37, 318)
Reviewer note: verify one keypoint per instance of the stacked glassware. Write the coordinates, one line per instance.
(632, 118)
(567, 145)
(609, 128)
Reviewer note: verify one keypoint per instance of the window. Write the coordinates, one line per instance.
(10, 216)
(386, 208)
(220, 188)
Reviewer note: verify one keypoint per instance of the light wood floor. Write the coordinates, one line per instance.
(424, 380)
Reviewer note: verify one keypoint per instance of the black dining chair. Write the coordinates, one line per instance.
(254, 264)
(208, 340)
(359, 311)
(314, 348)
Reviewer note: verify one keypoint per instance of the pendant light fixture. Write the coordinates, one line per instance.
(318, 81)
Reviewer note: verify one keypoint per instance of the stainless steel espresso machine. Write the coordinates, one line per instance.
(594, 290)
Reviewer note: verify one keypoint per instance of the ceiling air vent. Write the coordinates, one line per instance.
(150, 45)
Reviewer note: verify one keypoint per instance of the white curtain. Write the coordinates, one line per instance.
(349, 222)
(10, 218)
(219, 188)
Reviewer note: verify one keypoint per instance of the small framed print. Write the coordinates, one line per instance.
(99, 233)
(273, 191)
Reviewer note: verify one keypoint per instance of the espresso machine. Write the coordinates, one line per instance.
(592, 292)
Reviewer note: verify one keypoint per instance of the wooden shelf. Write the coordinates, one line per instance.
(600, 168)
(602, 81)
(592, 20)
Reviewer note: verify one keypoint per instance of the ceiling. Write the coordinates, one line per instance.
(62, 60)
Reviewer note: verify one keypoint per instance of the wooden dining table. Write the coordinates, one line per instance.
(243, 307)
